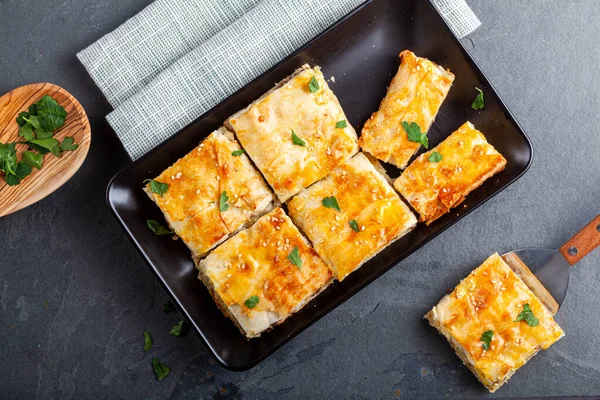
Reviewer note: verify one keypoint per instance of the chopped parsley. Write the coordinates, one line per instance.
(341, 124)
(36, 127)
(158, 187)
(297, 140)
(178, 329)
(313, 85)
(527, 316)
(331, 202)
(486, 338)
(479, 101)
(251, 301)
(354, 225)
(223, 199)
(147, 341)
(435, 157)
(237, 153)
(413, 131)
(160, 369)
(157, 228)
(294, 257)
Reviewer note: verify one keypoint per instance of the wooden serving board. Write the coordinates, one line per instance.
(55, 171)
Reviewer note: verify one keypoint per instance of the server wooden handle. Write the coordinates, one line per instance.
(582, 243)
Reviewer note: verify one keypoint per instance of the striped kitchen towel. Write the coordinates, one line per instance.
(180, 51)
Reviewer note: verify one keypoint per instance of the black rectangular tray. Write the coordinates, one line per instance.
(361, 52)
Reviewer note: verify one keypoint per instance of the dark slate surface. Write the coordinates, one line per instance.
(75, 297)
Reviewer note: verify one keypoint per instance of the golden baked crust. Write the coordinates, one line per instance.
(196, 181)
(491, 298)
(433, 188)
(364, 196)
(415, 95)
(265, 130)
(255, 262)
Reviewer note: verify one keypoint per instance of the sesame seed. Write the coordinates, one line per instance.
(198, 191)
(503, 289)
(337, 217)
(172, 177)
(343, 173)
(374, 197)
(227, 285)
(362, 228)
(485, 273)
(218, 178)
(459, 168)
(328, 151)
(278, 228)
(236, 196)
(264, 244)
(268, 218)
(332, 228)
(287, 240)
(380, 197)
(278, 243)
(178, 175)
(229, 275)
(374, 191)
(444, 190)
(374, 236)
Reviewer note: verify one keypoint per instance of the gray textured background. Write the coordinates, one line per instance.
(75, 296)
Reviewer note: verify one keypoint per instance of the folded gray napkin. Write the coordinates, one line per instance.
(181, 50)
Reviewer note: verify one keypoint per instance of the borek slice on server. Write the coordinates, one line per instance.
(434, 187)
(351, 215)
(494, 322)
(415, 95)
(213, 192)
(264, 274)
(296, 133)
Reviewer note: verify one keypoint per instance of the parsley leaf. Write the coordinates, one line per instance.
(20, 118)
(68, 145)
(251, 301)
(294, 257)
(341, 124)
(158, 187)
(22, 170)
(486, 338)
(160, 369)
(33, 121)
(147, 341)
(479, 101)
(43, 135)
(178, 329)
(331, 202)
(50, 114)
(413, 131)
(527, 316)
(297, 140)
(169, 308)
(237, 153)
(33, 159)
(50, 144)
(157, 228)
(435, 157)
(26, 132)
(313, 85)
(354, 225)
(223, 199)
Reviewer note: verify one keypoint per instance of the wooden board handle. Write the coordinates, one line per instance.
(582, 243)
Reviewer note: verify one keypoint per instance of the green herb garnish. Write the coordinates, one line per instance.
(160, 369)
(178, 329)
(294, 257)
(486, 338)
(413, 131)
(331, 202)
(313, 85)
(36, 127)
(354, 225)
(237, 153)
(435, 157)
(341, 124)
(479, 102)
(223, 199)
(157, 228)
(252, 301)
(527, 316)
(297, 140)
(147, 341)
(169, 308)
(158, 187)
